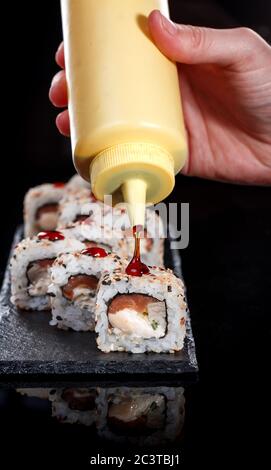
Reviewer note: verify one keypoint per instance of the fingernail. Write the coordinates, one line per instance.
(169, 26)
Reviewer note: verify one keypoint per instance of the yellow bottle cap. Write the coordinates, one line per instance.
(136, 173)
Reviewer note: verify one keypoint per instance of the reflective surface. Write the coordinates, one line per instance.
(93, 422)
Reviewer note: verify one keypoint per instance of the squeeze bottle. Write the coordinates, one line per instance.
(127, 130)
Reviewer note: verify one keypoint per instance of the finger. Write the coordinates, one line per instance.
(60, 60)
(63, 123)
(58, 94)
(194, 44)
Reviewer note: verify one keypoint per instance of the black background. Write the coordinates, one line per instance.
(226, 266)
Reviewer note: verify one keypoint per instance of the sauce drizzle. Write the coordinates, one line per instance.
(53, 236)
(136, 267)
(95, 251)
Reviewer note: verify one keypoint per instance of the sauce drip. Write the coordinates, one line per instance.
(51, 235)
(95, 251)
(136, 267)
(59, 184)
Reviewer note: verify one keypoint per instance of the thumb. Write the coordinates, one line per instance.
(195, 45)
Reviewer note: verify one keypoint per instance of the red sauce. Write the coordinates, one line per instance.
(59, 184)
(53, 236)
(95, 251)
(136, 267)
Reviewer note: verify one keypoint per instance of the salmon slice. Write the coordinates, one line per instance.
(38, 276)
(81, 281)
(79, 399)
(137, 302)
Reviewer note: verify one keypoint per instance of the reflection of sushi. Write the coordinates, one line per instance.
(142, 416)
(140, 314)
(75, 278)
(41, 206)
(30, 268)
(42, 393)
(74, 405)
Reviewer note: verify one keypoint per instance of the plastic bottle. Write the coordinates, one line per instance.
(127, 130)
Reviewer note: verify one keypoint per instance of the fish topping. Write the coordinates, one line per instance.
(39, 276)
(80, 288)
(139, 315)
(79, 399)
(47, 216)
(81, 218)
(137, 412)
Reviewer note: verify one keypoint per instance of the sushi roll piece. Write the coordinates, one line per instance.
(77, 206)
(92, 234)
(74, 405)
(141, 314)
(146, 416)
(41, 206)
(30, 268)
(76, 182)
(73, 290)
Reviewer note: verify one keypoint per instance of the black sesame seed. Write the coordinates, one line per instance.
(51, 294)
(106, 283)
(64, 265)
(169, 288)
(59, 318)
(14, 256)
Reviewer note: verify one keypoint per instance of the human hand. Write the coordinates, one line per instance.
(226, 94)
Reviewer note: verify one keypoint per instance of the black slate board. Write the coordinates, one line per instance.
(30, 347)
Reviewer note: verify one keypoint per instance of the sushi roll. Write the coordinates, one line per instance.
(77, 206)
(74, 405)
(92, 234)
(75, 279)
(140, 314)
(146, 416)
(30, 268)
(41, 206)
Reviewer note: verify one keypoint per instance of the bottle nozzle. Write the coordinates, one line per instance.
(134, 194)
